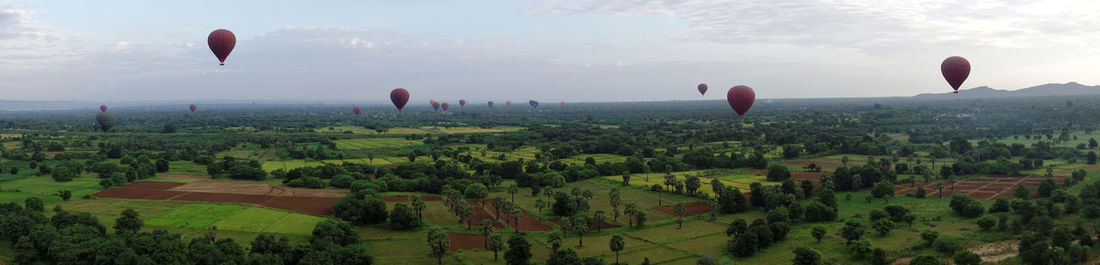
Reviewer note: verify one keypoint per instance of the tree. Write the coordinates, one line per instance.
(778, 172)
(806, 256)
(614, 197)
(513, 189)
(807, 188)
(496, 244)
(1090, 158)
(883, 226)
(818, 232)
(419, 205)
(33, 204)
(598, 217)
(564, 257)
(467, 213)
(626, 178)
(477, 192)
(878, 257)
(65, 195)
(853, 230)
(554, 239)
(617, 244)
(929, 236)
(439, 243)
(939, 186)
(680, 210)
(882, 189)
(129, 221)
(403, 218)
(967, 258)
(519, 250)
(486, 229)
(630, 210)
(639, 219)
(580, 226)
(921, 192)
(860, 249)
(539, 203)
(692, 184)
(1020, 192)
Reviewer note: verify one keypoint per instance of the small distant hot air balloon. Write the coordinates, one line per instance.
(357, 110)
(955, 69)
(435, 104)
(105, 121)
(102, 108)
(534, 104)
(221, 42)
(461, 102)
(702, 89)
(399, 96)
(490, 104)
(563, 103)
(193, 107)
(507, 103)
(446, 106)
(741, 99)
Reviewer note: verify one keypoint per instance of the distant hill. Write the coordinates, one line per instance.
(1067, 89)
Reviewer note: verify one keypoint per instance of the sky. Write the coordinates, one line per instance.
(549, 50)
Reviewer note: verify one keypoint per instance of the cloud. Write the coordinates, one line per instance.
(862, 23)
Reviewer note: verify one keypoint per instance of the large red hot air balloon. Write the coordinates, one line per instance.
(435, 104)
(507, 103)
(702, 89)
(399, 96)
(221, 42)
(446, 106)
(740, 98)
(461, 102)
(955, 69)
(193, 107)
(102, 108)
(357, 110)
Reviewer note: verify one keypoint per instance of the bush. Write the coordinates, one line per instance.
(819, 212)
(921, 193)
(986, 223)
(341, 181)
(925, 260)
(947, 245)
(882, 189)
(859, 249)
(967, 258)
(403, 218)
(778, 172)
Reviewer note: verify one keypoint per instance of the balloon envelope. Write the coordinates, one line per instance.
(192, 107)
(102, 108)
(221, 42)
(955, 69)
(105, 121)
(435, 105)
(399, 96)
(461, 102)
(357, 110)
(702, 89)
(741, 99)
(534, 104)
(490, 104)
(563, 103)
(446, 106)
(507, 103)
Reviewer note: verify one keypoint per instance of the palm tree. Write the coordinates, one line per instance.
(680, 209)
(539, 203)
(516, 213)
(580, 226)
(615, 198)
(617, 244)
(513, 189)
(630, 211)
(439, 243)
(419, 205)
(554, 239)
(486, 228)
(598, 217)
(939, 185)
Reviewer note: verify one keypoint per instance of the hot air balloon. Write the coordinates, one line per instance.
(446, 106)
(102, 108)
(534, 104)
(221, 42)
(399, 96)
(490, 104)
(435, 104)
(507, 103)
(105, 121)
(702, 89)
(357, 110)
(461, 102)
(563, 103)
(740, 99)
(955, 69)
(193, 107)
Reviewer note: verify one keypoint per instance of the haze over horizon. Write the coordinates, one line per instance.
(546, 50)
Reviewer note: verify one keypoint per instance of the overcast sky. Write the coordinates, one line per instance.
(575, 50)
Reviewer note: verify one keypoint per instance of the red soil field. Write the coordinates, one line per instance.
(482, 214)
(692, 209)
(320, 203)
(987, 188)
(527, 222)
(465, 241)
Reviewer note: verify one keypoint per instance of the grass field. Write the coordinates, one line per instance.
(730, 179)
(235, 217)
(600, 158)
(186, 168)
(375, 143)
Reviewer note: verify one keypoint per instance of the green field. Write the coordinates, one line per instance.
(375, 143)
(235, 217)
